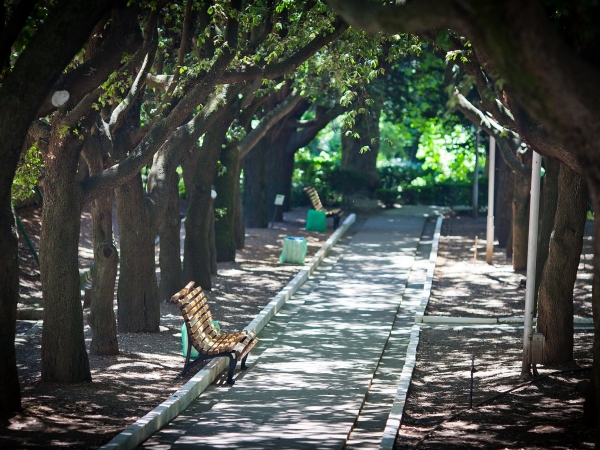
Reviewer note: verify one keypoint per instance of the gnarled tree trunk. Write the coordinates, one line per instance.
(555, 303)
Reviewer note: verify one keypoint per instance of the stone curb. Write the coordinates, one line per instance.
(395, 418)
(143, 428)
(489, 320)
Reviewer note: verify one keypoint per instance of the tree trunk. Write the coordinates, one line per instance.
(239, 230)
(548, 214)
(102, 319)
(197, 249)
(22, 93)
(504, 197)
(10, 391)
(225, 185)
(211, 239)
(555, 303)
(137, 294)
(362, 167)
(287, 173)
(279, 179)
(64, 356)
(171, 274)
(591, 413)
(520, 222)
(255, 201)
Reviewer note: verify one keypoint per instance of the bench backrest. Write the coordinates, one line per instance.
(197, 316)
(314, 198)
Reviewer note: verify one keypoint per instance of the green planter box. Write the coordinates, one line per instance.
(316, 220)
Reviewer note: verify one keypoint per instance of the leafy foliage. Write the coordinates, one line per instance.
(28, 174)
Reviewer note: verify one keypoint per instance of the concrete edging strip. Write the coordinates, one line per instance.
(395, 417)
(144, 427)
(491, 320)
(430, 270)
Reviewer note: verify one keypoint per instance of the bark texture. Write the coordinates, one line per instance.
(361, 166)
(255, 201)
(64, 356)
(171, 274)
(548, 213)
(225, 185)
(197, 246)
(504, 192)
(520, 227)
(102, 319)
(555, 302)
(137, 294)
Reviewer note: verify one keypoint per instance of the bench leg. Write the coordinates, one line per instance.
(244, 366)
(336, 222)
(232, 364)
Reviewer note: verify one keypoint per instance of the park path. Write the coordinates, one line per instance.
(326, 370)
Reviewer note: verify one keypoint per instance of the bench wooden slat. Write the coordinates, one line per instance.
(191, 309)
(183, 292)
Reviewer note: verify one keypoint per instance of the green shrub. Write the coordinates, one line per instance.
(387, 196)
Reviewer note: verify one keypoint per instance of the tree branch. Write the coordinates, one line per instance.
(267, 122)
(288, 65)
(124, 37)
(422, 15)
(160, 130)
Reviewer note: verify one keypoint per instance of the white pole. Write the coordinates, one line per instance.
(534, 209)
(489, 253)
(476, 176)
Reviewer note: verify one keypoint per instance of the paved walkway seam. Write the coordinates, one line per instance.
(143, 428)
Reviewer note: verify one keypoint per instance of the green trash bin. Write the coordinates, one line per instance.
(294, 250)
(316, 220)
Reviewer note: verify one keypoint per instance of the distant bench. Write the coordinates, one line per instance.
(336, 213)
(205, 337)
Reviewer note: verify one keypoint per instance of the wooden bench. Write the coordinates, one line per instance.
(205, 337)
(318, 206)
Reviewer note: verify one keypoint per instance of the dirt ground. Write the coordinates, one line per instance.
(127, 386)
(545, 414)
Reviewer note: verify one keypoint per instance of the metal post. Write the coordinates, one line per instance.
(473, 370)
(476, 176)
(489, 248)
(534, 209)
